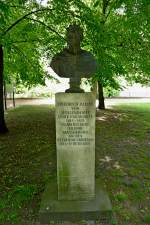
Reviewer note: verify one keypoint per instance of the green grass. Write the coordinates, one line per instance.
(28, 161)
(123, 136)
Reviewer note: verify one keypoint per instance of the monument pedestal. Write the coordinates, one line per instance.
(75, 143)
(76, 195)
(57, 211)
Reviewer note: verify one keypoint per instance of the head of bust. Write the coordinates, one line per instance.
(74, 38)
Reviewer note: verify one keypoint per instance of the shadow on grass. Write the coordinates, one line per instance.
(122, 159)
(28, 161)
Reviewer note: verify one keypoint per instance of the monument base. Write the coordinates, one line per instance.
(98, 209)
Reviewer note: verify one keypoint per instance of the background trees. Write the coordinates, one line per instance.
(116, 31)
(24, 41)
(118, 34)
(14, 38)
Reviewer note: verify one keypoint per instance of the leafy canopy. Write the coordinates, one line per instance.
(116, 31)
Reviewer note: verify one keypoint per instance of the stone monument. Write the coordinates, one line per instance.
(75, 195)
(74, 62)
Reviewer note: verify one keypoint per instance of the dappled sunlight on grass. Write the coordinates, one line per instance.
(109, 163)
(26, 154)
(28, 161)
(110, 114)
(122, 150)
(101, 118)
(106, 159)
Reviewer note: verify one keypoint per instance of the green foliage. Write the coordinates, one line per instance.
(14, 200)
(111, 92)
(147, 218)
(120, 41)
(121, 197)
(22, 193)
(38, 91)
(27, 37)
(117, 32)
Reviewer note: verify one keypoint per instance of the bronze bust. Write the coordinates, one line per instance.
(74, 62)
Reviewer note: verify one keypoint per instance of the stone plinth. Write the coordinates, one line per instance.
(52, 209)
(75, 142)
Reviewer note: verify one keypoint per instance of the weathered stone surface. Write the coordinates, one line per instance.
(67, 65)
(74, 62)
(97, 209)
(75, 141)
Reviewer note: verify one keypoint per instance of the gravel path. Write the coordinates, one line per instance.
(46, 101)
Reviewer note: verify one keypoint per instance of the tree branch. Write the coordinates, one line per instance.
(23, 55)
(105, 5)
(25, 41)
(17, 6)
(51, 29)
(22, 18)
(113, 3)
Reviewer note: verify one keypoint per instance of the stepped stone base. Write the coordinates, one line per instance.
(54, 211)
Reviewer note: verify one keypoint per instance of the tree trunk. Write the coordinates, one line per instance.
(101, 104)
(14, 104)
(3, 128)
(5, 96)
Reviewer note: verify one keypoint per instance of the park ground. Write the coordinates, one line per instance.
(46, 101)
(28, 161)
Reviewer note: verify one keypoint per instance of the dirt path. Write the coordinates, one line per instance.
(46, 101)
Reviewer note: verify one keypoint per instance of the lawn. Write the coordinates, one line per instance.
(28, 161)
